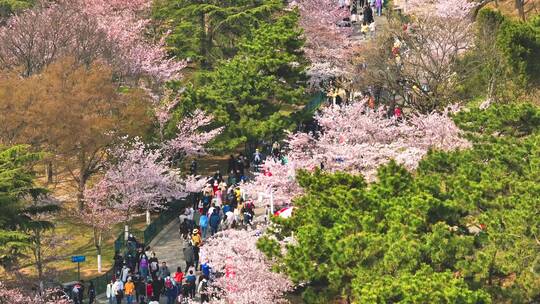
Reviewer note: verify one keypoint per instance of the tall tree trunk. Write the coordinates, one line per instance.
(50, 172)
(126, 232)
(202, 46)
(520, 6)
(98, 238)
(148, 219)
(39, 258)
(80, 192)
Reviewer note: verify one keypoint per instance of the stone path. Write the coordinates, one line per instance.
(168, 248)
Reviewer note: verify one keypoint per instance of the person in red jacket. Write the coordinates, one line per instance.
(149, 290)
(178, 276)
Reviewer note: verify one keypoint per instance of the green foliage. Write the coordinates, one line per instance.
(463, 229)
(516, 120)
(249, 92)
(9, 7)
(17, 217)
(208, 31)
(504, 63)
(520, 43)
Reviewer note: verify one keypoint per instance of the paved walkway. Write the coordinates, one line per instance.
(168, 248)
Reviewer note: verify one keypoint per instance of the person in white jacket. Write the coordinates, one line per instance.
(118, 290)
(203, 290)
(110, 293)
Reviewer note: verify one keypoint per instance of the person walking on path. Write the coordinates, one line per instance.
(154, 265)
(368, 14)
(188, 256)
(170, 290)
(178, 276)
(191, 280)
(129, 290)
(143, 266)
(214, 222)
(379, 5)
(140, 289)
(149, 290)
(118, 290)
(203, 290)
(110, 293)
(203, 223)
(164, 271)
(91, 293)
(205, 269)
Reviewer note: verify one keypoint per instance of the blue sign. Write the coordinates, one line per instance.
(78, 258)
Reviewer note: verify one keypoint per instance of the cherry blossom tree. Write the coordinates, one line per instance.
(244, 272)
(125, 23)
(11, 295)
(113, 31)
(189, 139)
(100, 215)
(420, 61)
(278, 178)
(194, 184)
(140, 180)
(327, 46)
(355, 140)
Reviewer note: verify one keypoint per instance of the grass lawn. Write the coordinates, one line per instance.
(80, 242)
(79, 238)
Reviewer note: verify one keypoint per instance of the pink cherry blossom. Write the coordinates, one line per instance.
(9, 295)
(122, 21)
(327, 46)
(140, 179)
(190, 140)
(89, 30)
(244, 272)
(358, 141)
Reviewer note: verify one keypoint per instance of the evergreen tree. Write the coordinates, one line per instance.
(16, 180)
(253, 93)
(463, 229)
(207, 31)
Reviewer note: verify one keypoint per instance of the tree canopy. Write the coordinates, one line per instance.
(16, 182)
(462, 229)
(249, 94)
(209, 31)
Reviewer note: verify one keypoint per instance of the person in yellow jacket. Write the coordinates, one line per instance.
(129, 290)
(196, 238)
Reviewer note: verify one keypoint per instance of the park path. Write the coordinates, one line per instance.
(168, 247)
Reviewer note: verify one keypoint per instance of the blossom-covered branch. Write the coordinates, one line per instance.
(244, 274)
(190, 140)
(327, 46)
(355, 140)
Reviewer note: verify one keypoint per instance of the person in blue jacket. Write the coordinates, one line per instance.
(214, 221)
(203, 223)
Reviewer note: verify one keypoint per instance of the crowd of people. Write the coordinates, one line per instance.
(222, 204)
(362, 12)
(141, 278)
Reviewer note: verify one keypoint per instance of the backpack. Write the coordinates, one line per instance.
(168, 283)
(204, 285)
(144, 263)
(154, 266)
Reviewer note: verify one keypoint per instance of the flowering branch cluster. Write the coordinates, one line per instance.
(88, 30)
(8, 295)
(327, 46)
(354, 140)
(242, 272)
(140, 179)
(189, 139)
